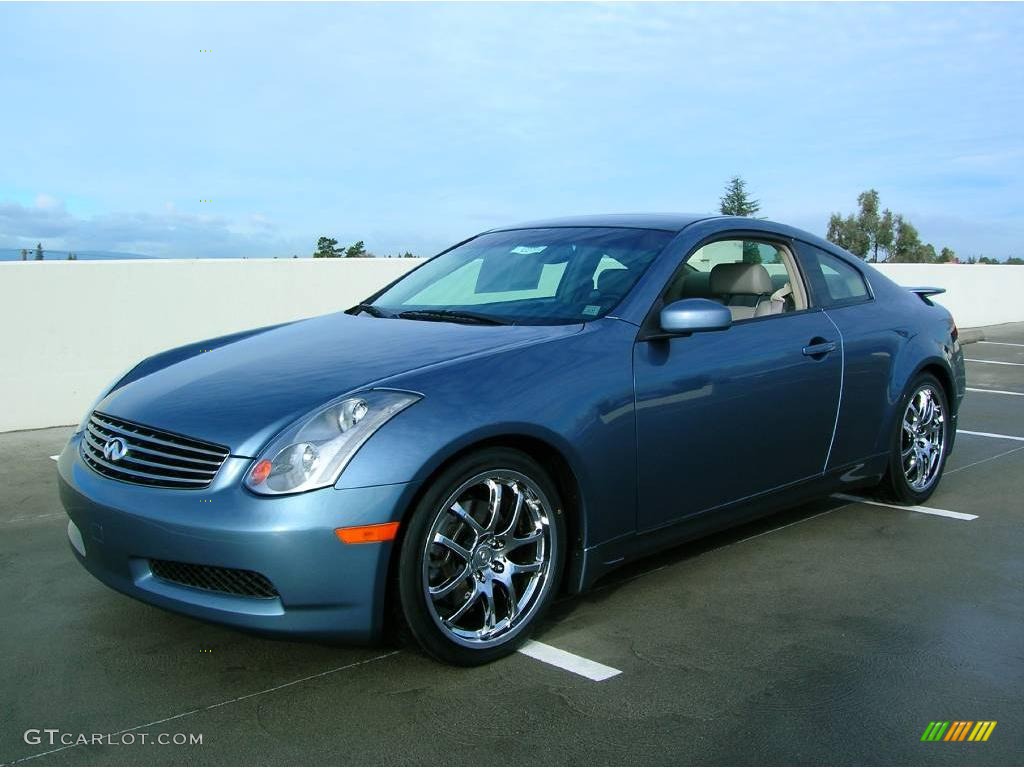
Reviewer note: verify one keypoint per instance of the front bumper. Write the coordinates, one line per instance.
(324, 588)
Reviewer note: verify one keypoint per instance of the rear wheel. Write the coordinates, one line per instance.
(919, 444)
(481, 557)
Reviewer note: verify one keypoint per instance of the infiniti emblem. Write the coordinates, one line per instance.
(115, 449)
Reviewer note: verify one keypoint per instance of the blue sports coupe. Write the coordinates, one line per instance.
(513, 418)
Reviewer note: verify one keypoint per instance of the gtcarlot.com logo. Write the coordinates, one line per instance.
(54, 737)
(958, 730)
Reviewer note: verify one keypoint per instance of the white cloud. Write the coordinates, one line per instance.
(47, 202)
(169, 233)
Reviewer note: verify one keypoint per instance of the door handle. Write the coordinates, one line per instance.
(819, 348)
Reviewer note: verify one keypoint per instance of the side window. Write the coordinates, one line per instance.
(840, 283)
(752, 278)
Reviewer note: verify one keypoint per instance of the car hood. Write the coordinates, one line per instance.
(241, 394)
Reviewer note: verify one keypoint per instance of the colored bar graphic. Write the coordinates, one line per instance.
(935, 730)
(958, 730)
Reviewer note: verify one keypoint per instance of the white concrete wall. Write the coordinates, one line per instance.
(68, 328)
(976, 294)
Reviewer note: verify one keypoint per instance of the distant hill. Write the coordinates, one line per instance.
(14, 254)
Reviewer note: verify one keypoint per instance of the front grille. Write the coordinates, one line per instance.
(154, 457)
(229, 581)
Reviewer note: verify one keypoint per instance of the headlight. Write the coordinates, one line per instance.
(313, 452)
(103, 393)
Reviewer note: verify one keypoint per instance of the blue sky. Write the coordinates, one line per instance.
(414, 125)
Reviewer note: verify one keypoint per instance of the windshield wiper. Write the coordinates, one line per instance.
(369, 309)
(452, 316)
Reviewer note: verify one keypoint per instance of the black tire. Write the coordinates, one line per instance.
(895, 485)
(495, 556)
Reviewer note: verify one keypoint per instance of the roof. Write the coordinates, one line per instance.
(669, 222)
(675, 222)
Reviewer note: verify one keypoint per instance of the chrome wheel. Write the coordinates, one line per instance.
(923, 438)
(487, 557)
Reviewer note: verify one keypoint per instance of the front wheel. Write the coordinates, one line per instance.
(481, 557)
(919, 444)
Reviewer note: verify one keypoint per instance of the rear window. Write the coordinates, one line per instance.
(836, 282)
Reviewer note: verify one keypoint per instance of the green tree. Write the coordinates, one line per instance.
(39, 252)
(876, 229)
(847, 233)
(947, 256)
(24, 254)
(1015, 260)
(867, 212)
(356, 250)
(736, 201)
(906, 246)
(877, 234)
(326, 248)
(882, 238)
(925, 254)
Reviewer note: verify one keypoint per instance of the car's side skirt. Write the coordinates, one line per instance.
(604, 558)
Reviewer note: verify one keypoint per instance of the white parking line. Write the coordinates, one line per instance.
(55, 457)
(990, 434)
(995, 391)
(983, 461)
(1001, 343)
(990, 362)
(922, 510)
(556, 657)
(213, 706)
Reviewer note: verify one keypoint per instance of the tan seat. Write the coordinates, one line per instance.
(746, 289)
(692, 285)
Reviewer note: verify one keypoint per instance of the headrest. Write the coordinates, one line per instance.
(697, 285)
(614, 281)
(739, 278)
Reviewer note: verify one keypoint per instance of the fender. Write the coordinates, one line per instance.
(915, 356)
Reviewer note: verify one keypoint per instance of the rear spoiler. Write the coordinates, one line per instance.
(925, 291)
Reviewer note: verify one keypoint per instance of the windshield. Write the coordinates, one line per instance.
(528, 276)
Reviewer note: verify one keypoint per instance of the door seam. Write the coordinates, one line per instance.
(842, 381)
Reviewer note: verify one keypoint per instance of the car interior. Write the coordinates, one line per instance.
(752, 279)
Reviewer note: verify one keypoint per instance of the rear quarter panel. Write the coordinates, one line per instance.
(886, 343)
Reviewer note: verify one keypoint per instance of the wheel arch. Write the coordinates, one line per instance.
(940, 372)
(936, 367)
(546, 453)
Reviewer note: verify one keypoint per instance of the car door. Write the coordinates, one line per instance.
(725, 415)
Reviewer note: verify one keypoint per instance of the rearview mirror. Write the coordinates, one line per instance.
(694, 315)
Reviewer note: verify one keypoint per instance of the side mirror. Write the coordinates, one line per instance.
(694, 315)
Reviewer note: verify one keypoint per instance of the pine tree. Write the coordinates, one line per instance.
(326, 248)
(736, 201)
(356, 250)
